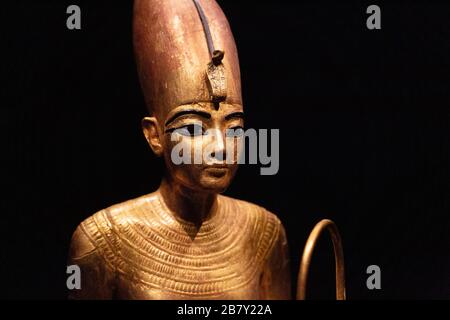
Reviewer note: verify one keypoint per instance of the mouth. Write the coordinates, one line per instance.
(217, 171)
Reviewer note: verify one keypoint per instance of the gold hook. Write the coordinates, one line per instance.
(338, 257)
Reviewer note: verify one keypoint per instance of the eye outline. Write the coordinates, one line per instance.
(184, 130)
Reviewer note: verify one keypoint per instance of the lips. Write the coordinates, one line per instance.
(217, 170)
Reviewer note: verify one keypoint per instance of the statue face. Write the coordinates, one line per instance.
(202, 130)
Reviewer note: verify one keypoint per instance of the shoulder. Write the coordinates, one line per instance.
(253, 211)
(263, 224)
(96, 232)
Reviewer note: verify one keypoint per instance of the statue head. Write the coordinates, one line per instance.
(189, 73)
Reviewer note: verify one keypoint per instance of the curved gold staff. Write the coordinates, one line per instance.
(338, 257)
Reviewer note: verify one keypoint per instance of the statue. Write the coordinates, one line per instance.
(185, 240)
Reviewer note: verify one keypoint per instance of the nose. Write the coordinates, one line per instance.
(218, 145)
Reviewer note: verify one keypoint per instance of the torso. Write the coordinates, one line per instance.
(155, 256)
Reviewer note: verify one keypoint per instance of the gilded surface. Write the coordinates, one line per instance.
(138, 250)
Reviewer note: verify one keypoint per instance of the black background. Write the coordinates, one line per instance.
(363, 115)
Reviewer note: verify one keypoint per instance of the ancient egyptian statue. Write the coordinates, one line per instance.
(185, 240)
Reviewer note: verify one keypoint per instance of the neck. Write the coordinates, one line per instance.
(187, 204)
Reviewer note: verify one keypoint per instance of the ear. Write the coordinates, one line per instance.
(150, 128)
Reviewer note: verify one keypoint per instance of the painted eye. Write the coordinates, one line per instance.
(235, 132)
(191, 130)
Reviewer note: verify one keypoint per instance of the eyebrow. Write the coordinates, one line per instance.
(203, 114)
(239, 115)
